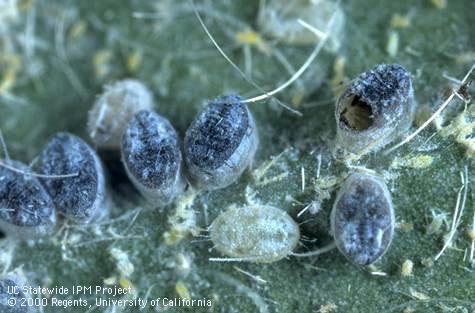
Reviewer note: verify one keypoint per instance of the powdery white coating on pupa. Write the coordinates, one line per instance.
(152, 157)
(279, 19)
(362, 219)
(377, 107)
(82, 197)
(12, 298)
(256, 233)
(113, 109)
(220, 143)
(26, 209)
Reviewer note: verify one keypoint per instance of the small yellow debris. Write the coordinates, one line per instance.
(392, 45)
(465, 58)
(419, 295)
(328, 308)
(252, 38)
(297, 97)
(182, 291)
(101, 61)
(427, 262)
(470, 233)
(124, 283)
(10, 64)
(24, 5)
(173, 236)
(413, 161)
(8, 80)
(405, 227)
(77, 30)
(461, 128)
(273, 179)
(406, 268)
(337, 81)
(183, 220)
(439, 4)
(134, 60)
(400, 21)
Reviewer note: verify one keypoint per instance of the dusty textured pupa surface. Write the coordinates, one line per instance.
(81, 197)
(152, 158)
(377, 106)
(26, 209)
(220, 143)
(362, 219)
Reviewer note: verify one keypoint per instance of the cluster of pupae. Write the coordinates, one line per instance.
(68, 177)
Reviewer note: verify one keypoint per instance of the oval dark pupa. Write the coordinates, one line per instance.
(362, 219)
(375, 108)
(152, 157)
(81, 197)
(220, 143)
(26, 209)
(113, 109)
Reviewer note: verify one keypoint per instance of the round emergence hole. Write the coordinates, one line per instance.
(355, 113)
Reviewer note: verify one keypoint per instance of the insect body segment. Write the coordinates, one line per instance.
(220, 143)
(152, 157)
(258, 234)
(80, 197)
(377, 106)
(26, 209)
(362, 219)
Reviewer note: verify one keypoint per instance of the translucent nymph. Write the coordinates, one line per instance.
(255, 233)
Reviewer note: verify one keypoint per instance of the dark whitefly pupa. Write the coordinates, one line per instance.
(152, 157)
(12, 297)
(261, 234)
(220, 143)
(362, 219)
(378, 106)
(114, 108)
(80, 197)
(26, 209)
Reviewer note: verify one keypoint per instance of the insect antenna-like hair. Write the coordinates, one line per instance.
(295, 76)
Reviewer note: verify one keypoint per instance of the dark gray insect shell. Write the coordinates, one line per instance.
(152, 158)
(26, 209)
(12, 298)
(81, 197)
(377, 106)
(362, 219)
(220, 143)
